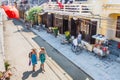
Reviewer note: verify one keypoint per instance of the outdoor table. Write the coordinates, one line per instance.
(97, 50)
(99, 37)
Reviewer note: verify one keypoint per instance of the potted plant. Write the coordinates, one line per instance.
(6, 65)
(67, 35)
(55, 30)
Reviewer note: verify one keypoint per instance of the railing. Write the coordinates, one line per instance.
(76, 8)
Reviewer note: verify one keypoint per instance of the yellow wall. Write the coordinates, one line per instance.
(109, 18)
(113, 25)
(39, 19)
(108, 26)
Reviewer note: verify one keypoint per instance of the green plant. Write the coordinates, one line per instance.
(32, 12)
(67, 35)
(6, 65)
(55, 30)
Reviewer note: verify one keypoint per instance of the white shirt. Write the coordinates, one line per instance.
(79, 36)
(75, 42)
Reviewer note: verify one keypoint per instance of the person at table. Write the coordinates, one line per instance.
(79, 37)
(98, 44)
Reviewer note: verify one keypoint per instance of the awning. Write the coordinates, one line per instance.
(99, 37)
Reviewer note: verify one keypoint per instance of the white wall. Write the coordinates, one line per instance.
(114, 2)
(97, 6)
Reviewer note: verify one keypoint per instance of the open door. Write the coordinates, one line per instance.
(65, 25)
(73, 27)
(50, 20)
(93, 30)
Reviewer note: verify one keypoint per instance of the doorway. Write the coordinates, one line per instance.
(92, 31)
(50, 20)
(73, 27)
(65, 25)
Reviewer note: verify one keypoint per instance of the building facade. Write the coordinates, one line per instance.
(92, 17)
(109, 12)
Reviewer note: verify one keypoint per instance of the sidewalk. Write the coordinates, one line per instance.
(99, 69)
(20, 40)
(2, 68)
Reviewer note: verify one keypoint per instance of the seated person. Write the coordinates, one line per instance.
(97, 49)
(100, 49)
(49, 30)
(79, 37)
(105, 50)
(98, 45)
(105, 43)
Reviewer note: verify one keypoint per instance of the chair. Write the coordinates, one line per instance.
(118, 45)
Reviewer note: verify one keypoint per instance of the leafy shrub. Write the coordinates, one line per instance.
(67, 35)
(55, 30)
(32, 12)
(6, 65)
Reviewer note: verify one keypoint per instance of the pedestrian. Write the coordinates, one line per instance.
(33, 58)
(79, 37)
(42, 57)
(75, 44)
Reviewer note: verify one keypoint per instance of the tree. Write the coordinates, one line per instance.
(32, 12)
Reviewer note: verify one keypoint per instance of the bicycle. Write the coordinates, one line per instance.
(83, 46)
(76, 49)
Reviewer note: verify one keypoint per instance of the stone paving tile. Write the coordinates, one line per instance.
(99, 69)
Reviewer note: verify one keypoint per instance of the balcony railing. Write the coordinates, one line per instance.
(74, 8)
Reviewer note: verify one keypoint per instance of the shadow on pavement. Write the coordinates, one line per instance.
(36, 73)
(18, 23)
(26, 74)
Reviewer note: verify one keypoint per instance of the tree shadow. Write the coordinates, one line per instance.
(26, 74)
(19, 23)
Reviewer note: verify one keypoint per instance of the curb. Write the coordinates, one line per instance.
(2, 56)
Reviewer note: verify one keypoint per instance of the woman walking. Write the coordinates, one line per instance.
(33, 58)
(42, 57)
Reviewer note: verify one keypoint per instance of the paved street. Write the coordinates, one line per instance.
(18, 43)
(100, 69)
(24, 40)
(94, 19)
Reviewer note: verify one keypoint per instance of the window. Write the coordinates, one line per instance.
(118, 27)
(85, 29)
(88, 28)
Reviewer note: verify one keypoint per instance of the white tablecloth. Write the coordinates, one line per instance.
(101, 38)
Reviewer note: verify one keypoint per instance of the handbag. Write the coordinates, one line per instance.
(29, 62)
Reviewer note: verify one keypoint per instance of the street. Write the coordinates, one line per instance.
(18, 43)
(81, 38)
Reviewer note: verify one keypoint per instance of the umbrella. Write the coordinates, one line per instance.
(11, 11)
